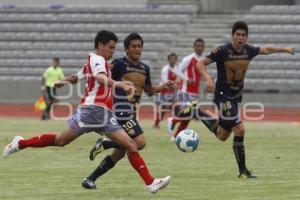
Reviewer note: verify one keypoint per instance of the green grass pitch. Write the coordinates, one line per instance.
(210, 173)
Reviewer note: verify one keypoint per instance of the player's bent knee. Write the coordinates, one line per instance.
(240, 132)
(141, 146)
(222, 134)
(223, 138)
(61, 142)
(131, 147)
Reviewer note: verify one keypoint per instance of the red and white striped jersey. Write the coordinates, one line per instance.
(188, 67)
(168, 73)
(96, 93)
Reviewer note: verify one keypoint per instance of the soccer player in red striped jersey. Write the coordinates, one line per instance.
(189, 85)
(94, 112)
(167, 97)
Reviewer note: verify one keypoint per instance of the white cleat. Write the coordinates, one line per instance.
(158, 184)
(173, 139)
(12, 147)
(170, 126)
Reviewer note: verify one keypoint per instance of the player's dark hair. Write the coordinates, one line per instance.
(130, 37)
(171, 55)
(104, 37)
(56, 59)
(239, 25)
(199, 40)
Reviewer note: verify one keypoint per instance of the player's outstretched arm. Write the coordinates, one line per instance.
(108, 82)
(73, 79)
(270, 50)
(152, 90)
(201, 67)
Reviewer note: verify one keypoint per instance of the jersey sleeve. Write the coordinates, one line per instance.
(45, 74)
(253, 51)
(148, 78)
(183, 65)
(61, 75)
(115, 73)
(164, 74)
(97, 65)
(80, 73)
(216, 54)
(179, 73)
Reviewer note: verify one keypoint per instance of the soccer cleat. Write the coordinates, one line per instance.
(98, 148)
(188, 110)
(246, 174)
(89, 184)
(170, 126)
(159, 183)
(12, 147)
(173, 139)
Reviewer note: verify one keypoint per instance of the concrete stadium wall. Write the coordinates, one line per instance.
(14, 91)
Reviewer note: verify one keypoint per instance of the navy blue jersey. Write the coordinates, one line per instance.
(231, 68)
(139, 75)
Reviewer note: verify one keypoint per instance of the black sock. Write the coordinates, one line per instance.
(208, 121)
(106, 164)
(108, 144)
(239, 152)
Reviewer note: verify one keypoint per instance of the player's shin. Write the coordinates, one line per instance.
(239, 152)
(140, 166)
(208, 121)
(183, 125)
(106, 164)
(39, 141)
(108, 144)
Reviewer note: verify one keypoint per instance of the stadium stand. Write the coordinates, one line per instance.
(276, 26)
(35, 34)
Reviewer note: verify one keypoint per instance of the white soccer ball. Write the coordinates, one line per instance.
(187, 140)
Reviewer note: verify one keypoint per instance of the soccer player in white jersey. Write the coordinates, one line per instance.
(94, 112)
(166, 98)
(188, 89)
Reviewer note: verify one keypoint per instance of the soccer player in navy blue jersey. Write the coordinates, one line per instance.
(130, 69)
(232, 61)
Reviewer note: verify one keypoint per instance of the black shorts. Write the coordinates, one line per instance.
(228, 111)
(50, 94)
(126, 117)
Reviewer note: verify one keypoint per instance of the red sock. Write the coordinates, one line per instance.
(39, 141)
(183, 125)
(140, 166)
(175, 120)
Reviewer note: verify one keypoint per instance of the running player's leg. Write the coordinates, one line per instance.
(48, 139)
(133, 128)
(134, 158)
(239, 151)
(158, 102)
(138, 163)
(186, 100)
(48, 99)
(44, 140)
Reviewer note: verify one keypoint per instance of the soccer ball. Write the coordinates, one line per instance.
(187, 140)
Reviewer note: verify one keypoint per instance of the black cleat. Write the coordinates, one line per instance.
(246, 174)
(98, 148)
(188, 110)
(89, 184)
